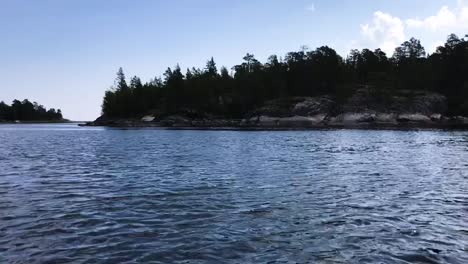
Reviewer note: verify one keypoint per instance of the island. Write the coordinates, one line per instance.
(29, 112)
(305, 89)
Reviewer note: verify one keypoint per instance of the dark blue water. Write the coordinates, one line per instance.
(92, 195)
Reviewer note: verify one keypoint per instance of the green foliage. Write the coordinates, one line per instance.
(302, 73)
(27, 111)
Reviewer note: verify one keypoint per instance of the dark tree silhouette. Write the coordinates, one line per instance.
(28, 111)
(301, 73)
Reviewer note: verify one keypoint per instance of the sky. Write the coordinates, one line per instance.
(65, 53)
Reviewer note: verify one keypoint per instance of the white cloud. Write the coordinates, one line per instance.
(385, 32)
(443, 20)
(311, 8)
(464, 16)
(434, 45)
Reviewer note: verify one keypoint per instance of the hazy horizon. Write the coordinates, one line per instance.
(65, 54)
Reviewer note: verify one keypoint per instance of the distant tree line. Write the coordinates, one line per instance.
(27, 111)
(301, 73)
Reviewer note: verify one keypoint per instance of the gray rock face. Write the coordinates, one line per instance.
(267, 121)
(386, 119)
(278, 108)
(430, 103)
(368, 99)
(366, 107)
(296, 106)
(415, 118)
(148, 118)
(313, 106)
(353, 118)
(285, 122)
(436, 117)
(302, 121)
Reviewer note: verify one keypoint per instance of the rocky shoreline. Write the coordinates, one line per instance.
(64, 121)
(361, 110)
(348, 120)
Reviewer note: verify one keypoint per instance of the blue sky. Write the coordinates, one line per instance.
(65, 53)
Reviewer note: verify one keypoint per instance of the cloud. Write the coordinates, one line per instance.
(311, 8)
(443, 20)
(434, 45)
(385, 32)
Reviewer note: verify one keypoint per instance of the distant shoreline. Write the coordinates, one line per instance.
(132, 124)
(37, 122)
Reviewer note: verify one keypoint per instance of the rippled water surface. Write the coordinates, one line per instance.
(94, 195)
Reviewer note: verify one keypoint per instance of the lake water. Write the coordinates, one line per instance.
(95, 195)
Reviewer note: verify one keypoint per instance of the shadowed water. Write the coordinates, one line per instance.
(92, 195)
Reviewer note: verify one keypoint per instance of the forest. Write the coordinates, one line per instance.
(233, 93)
(28, 111)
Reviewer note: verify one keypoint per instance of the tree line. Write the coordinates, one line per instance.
(28, 111)
(301, 73)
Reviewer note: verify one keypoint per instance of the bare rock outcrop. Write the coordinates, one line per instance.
(366, 107)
